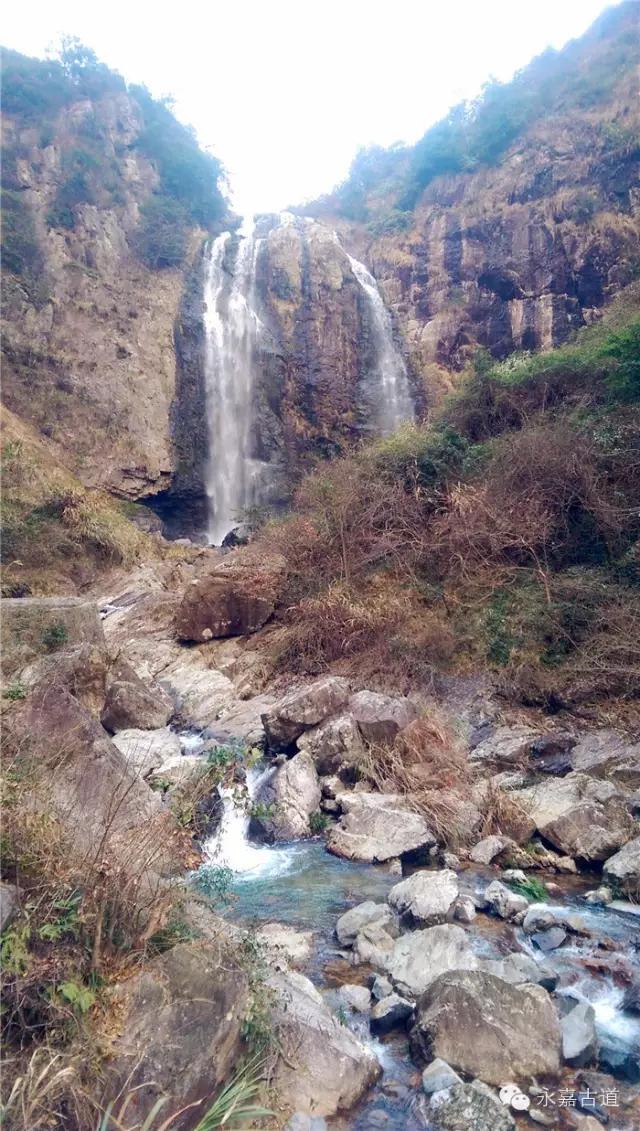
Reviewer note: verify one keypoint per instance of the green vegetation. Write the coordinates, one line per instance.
(318, 822)
(15, 691)
(531, 888)
(506, 533)
(55, 637)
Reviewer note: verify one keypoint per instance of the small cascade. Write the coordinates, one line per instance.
(231, 847)
(232, 329)
(389, 379)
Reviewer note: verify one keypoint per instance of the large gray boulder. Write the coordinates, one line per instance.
(336, 745)
(377, 827)
(131, 704)
(322, 1067)
(288, 798)
(356, 918)
(608, 754)
(374, 944)
(426, 897)
(196, 990)
(235, 599)
(302, 709)
(381, 717)
(580, 816)
(469, 1107)
(503, 902)
(506, 747)
(486, 1027)
(438, 1076)
(148, 750)
(490, 848)
(519, 968)
(421, 956)
(624, 868)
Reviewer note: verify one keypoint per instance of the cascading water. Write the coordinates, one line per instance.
(231, 846)
(389, 376)
(232, 329)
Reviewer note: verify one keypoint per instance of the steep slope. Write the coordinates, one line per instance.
(515, 220)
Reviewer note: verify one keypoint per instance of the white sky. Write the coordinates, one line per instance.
(283, 92)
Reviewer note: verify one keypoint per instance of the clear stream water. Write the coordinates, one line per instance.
(303, 885)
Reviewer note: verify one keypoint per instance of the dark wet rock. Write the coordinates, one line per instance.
(302, 709)
(551, 754)
(469, 1107)
(579, 1039)
(390, 1013)
(631, 999)
(486, 1027)
(425, 897)
(381, 717)
(377, 827)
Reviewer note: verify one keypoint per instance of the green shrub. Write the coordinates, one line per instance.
(531, 889)
(318, 822)
(55, 636)
(15, 691)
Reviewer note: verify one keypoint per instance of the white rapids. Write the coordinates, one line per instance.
(231, 847)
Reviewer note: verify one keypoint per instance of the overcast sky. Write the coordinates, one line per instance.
(283, 92)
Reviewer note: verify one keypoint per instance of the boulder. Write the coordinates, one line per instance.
(381, 987)
(196, 990)
(285, 942)
(469, 1107)
(437, 1076)
(131, 704)
(506, 747)
(518, 968)
(579, 1039)
(301, 1122)
(303, 708)
(580, 816)
(356, 918)
(81, 670)
(336, 746)
(599, 896)
(357, 998)
(487, 850)
(608, 754)
(503, 902)
(418, 958)
(623, 869)
(35, 626)
(464, 910)
(550, 939)
(377, 827)
(539, 918)
(425, 897)
(9, 903)
(148, 750)
(390, 1013)
(374, 944)
(381, 717)
(486, 1027)
(287, 798)
(322, 1067)
(228, 602)
(551, 753)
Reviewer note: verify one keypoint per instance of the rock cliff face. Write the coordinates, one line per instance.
(89, 359)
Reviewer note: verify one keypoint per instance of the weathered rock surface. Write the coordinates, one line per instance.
(470, 1107)
(505, 748)
(486, 1027)
(390, 1013)
(421, 956)
(426, 897)
(374, 944)
(131, 704)
(357, 998)
(335, 745)
(285, 942)
(580, 816)
(356, 918)
(9, 902)
(518, 968)
(624, 867)
(227, 603)
(491, 847)
(608, 754)
(437, 1076)
(287, 799)
(148, 750)
(381, 717)
(377, 827)
(33, 626)
(579, 1039)
(323, 1068)
(187, 991)
(82, 670)
(302, 709)
(504, 902)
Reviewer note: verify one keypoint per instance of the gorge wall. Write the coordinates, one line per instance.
(104, 346)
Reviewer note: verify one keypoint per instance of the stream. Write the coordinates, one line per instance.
(302, 885)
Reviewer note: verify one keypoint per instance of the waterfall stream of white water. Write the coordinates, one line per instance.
(389, 379)
(232, 329)
(231, 847)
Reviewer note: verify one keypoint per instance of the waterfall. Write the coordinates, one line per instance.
(230, 847)
(232, 329)
(389, 379)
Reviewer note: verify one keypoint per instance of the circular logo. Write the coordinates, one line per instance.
(511, 1096)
